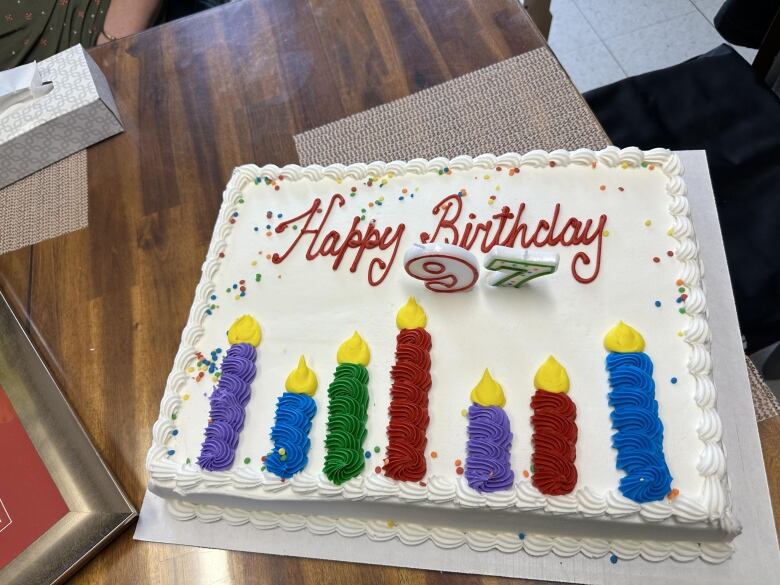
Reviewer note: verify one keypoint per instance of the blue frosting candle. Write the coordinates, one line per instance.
(295, 410)
(639, 433)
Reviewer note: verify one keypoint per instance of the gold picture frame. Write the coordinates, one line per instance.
(98, 509)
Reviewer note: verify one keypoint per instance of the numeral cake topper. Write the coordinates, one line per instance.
(512, 267)
(442, 267)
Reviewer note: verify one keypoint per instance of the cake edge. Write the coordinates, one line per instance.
(449, 538)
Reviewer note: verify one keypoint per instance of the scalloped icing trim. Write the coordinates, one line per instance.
(714, 504)
(477, 540)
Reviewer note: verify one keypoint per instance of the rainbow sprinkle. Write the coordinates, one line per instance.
(206, 365)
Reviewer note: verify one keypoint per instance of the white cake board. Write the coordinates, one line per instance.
(755, 561)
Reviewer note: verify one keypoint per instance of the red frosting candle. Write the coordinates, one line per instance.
(406, 431)
(555, 431)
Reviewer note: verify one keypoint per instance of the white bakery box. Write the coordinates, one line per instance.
(52, 109)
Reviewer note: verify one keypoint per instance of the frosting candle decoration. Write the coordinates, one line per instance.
(347, 412)
(295, 409)
(406, 431)
(639, 433)
(488, 468)
(230, 397)
(444, 268)
(554, 431)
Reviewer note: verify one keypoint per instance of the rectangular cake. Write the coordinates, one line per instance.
(506, 352)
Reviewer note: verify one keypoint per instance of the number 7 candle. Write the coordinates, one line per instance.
(639, 433)
(347, 412)
(488, 468)
(555, 431)
(514, 268)
(226, 414)
(292, 423)
(406, 431)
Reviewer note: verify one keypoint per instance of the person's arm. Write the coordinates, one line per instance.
(127, 17)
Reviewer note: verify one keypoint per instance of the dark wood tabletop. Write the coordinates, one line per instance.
(198, 97)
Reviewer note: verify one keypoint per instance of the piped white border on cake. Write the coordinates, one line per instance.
(714, 503)
(478, 540)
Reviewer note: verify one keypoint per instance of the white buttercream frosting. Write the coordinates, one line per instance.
(707, 501)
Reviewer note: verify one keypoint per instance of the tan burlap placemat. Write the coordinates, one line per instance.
(48, 203)
(764, 401)
(517, 105)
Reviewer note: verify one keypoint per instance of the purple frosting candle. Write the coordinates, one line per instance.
(488, 468)
(230, 397)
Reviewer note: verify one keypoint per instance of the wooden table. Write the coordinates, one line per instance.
(198, 97)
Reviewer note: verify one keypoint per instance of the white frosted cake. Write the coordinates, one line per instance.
(505, 352)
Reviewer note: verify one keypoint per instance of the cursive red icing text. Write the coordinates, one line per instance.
(324, 243)
(506, 228)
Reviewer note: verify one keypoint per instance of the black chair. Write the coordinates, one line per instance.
(720, 103)
(745, 22)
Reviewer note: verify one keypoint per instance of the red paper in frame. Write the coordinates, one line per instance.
(30, 503)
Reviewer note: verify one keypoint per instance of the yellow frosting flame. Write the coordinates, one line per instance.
(354, 351)
(245, 330)
(302, 380)
(411, 315)
(488, 392)
(552, 377)
(623, 338)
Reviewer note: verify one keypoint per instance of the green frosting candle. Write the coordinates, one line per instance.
(347, 413)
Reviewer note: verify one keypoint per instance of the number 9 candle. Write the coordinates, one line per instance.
(639, 433)
(347, 412)
(292, 423)
(555, 431)
(406, 431)
(227, 403)
(443, 268)
(488, 468)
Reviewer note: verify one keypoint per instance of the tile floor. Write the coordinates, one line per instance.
(601, 41)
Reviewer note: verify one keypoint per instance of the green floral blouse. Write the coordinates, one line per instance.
(32, 30)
